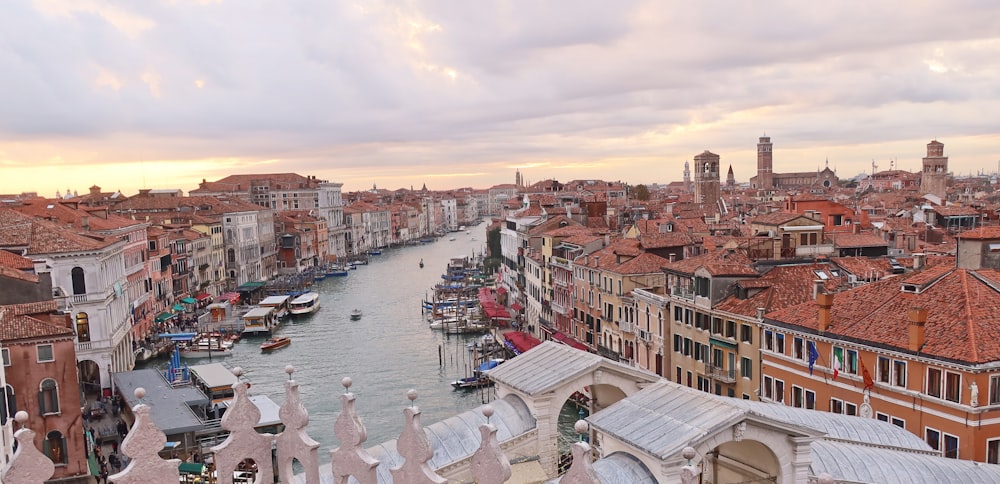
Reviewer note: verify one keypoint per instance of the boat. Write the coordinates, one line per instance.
(471, 382)
(279, 303)
(421, 263)
(452, 239)
(304, 304)
(336, 271)
(375, 252)
(207, 346)
(355, 315)
(351, 266)
(260, 320)
(272, 344)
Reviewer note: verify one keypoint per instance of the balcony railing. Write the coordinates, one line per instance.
(811, 250)
(682, 292)
(721, 374)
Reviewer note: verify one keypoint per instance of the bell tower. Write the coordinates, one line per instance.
(706, 178)
(934, 176)
(765, 171)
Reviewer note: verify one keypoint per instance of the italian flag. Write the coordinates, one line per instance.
(836, 364)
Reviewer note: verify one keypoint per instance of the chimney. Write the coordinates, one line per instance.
(817, 287)
(918, 319)
(85, 222)
(857, 227)
(607, 240)
(673, 257)
(760, 313)
(825, 303)
(919, 260)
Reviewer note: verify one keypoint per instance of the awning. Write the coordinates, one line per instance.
(250, 286)
(229, 296)
(203, 296)
(562, 338)
(189, 300)
(191, 468)
(163, 317)
(516, 306)
(724, 344)
(521, 342)
(501, 290)
(178, 307)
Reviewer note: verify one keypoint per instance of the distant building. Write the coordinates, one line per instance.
(934, 176)
(706, 180)
(768, 181)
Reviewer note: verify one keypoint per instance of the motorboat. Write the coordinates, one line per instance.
(304, 304)
(207, 346)
(375, 252)
(421, 263)
(337, 271)
(272, 344)
(355, 315)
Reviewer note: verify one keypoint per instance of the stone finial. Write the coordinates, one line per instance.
(243, 442)
(415, 448)
(29, 464)
(689, 473)
(582, 470)
(825, 478)
(489, 464)
(142, 446)
(293, 442)
(351, 459)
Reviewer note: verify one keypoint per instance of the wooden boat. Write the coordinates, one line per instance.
(471, 382)
(207, 346)
(304, 304)
(355, 315)
(421, 263)
(272, 344)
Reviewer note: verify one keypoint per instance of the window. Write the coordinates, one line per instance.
(5, 354)
(779, 343)
(697, 351)
(994, 389)
(82, 328)
(48, 397)
(836, 405)
(746, 368)
(798, 348)
(731, 329)
(993, 451)
(768, 387)
(850, 409)
(798, 400)
(810, 400)
(55, 447)
(884, 375)
(950, 446)
(716, 326)
(45, 353)
(881, 416)
(8, 405)
(851, 363)
(768, 340)
(899, 373)
(678, 314)
(678, 343)
(779, 391)
(934, 382)
(899, 422)
(746, 334)
(933, 438)
(79, 281)
(953, 387)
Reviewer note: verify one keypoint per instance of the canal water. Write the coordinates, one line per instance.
(388, 351)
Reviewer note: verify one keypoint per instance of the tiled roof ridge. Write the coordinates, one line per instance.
(973, 334)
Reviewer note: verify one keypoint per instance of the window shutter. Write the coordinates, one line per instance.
(47, 448)
(41, 407)
(65, 456)
(55, 400)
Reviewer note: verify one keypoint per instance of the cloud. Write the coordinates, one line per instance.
(567, 89)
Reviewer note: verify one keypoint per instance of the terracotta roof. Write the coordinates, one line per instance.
(783, 286)
(19, 231)
(776, 218)
(18, 324)
(861, 266)
(955, 211)
(15, 261)
(720, 262)
(981, 233)
(963, 322)
(858, 240)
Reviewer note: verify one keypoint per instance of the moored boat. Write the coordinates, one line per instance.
(336, 271)
(304, 304)
(375, 252)
(207, 346)
(471, 382)
(272, 344)
(355, 315)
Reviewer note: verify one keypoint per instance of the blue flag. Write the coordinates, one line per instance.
(813, 356)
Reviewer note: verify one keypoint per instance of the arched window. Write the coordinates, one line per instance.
(55, 447)
(8, 405)
(82, 328)
(48, 397)
(79, 282)
(232, 255)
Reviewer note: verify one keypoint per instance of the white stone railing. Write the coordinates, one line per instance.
(144, 441)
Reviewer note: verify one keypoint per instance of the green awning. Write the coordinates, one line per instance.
(722, 343)
(191, 467)
(250, 286)
(178, 307)
(163, 317)
(189, 300)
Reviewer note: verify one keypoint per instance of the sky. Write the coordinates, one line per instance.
(459, 93)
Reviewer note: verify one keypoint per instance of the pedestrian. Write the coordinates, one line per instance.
(104, 474)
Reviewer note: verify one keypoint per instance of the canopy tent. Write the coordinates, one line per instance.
(203, 296)
(189, 300)
(178, 307)
(232, 297)
(163, 317)
(566, 340)
(520, 342)
(516, 306)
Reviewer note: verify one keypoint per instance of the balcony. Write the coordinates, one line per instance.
(558, 308)
(721, 374)
(682, 292)
(813, 250)
(626, 326)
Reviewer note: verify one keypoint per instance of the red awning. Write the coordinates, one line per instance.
(516, 306)
(501, 290)
(229, 296)
(521, 341)
(566, 340)
(203, 296)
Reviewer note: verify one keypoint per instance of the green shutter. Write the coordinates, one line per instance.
(41, 405)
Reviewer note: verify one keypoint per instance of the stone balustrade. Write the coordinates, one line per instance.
(144, 441)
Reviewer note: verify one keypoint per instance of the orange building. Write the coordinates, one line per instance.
(919, 350)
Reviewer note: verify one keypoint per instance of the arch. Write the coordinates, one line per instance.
(774, 452)
(741, 461)
(82, 327)
(79, 280)
(48, 396)
(89, 373)
(55, 447)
